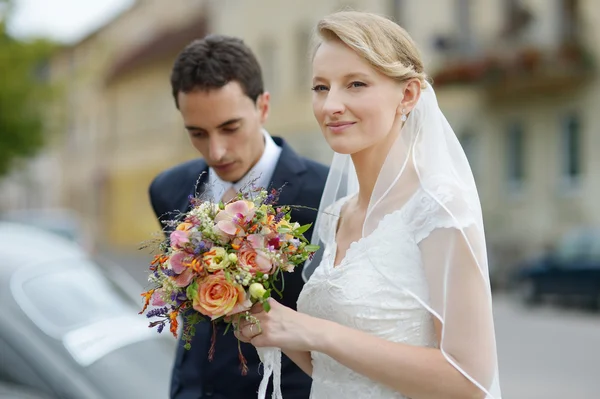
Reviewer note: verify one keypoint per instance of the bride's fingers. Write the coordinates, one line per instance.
(241, 337)
(257, 308)
(233, 318)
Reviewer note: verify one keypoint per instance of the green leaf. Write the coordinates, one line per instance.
(192, 290)
(302, 229)
(266, 306)
(312, 248)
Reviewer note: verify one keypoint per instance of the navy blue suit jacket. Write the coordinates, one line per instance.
(194, 376)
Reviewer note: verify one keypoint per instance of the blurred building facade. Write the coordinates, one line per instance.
(519, 90)
(516, 80)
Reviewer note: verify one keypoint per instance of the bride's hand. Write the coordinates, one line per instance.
(280, 327)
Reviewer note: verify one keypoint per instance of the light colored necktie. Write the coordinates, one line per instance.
(228, 195)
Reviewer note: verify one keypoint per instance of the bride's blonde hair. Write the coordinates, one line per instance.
(380, 41)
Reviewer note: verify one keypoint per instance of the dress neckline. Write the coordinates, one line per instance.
(353, 244)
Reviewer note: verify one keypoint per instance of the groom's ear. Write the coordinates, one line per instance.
(411, 92)
(263, 106)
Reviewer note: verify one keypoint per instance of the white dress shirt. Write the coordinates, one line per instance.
(261, 173)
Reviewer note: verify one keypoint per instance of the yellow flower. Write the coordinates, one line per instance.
(216, 259)
(257, 290)
(184, 226)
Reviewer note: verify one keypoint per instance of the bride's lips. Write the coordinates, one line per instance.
(338, 127)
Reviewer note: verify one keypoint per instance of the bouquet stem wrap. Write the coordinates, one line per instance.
(271, 360)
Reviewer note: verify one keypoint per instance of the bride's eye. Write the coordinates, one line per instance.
(357, 84)
(319, 88)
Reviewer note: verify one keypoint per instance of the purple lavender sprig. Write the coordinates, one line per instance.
(158, 312)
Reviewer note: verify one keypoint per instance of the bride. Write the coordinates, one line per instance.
(400, 305)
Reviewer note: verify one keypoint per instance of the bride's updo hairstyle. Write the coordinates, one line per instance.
(380, 41)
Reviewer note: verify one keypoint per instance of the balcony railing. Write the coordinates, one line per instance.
(525, 72)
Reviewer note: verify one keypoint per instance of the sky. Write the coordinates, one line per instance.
(65, 21)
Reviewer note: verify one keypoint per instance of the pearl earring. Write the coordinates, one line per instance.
(403, 119)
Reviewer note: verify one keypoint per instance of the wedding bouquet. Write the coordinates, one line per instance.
(221, 259)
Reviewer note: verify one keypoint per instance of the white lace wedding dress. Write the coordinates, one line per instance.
(358, 296)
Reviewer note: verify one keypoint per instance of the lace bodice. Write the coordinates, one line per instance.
(358, 296)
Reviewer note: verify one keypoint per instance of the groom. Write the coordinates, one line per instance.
(218, 89)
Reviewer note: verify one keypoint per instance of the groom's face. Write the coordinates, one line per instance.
(225, 126)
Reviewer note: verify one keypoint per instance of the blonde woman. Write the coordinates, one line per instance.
(400, 305)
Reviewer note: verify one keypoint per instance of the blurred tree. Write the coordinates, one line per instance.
(24, 93)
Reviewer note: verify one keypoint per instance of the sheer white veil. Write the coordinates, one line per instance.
(428, 159)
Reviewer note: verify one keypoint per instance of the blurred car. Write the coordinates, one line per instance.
(11, 391)
(62, 222)
(68, 329)
(569, 274)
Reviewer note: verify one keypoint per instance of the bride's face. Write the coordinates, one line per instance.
(355, 105)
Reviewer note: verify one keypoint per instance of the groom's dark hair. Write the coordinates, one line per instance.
(212, 62)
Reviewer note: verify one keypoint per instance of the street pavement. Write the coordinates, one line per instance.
(544, 352)
(547, 353)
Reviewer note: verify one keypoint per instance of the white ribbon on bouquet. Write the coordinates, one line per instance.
(271, 360)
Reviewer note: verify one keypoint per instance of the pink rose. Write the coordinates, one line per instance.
(254, 260)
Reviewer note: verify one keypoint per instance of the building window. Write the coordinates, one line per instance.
(303, 37)
(516, 155)
(516, 18)
(268, 59)
(571, 149)
(397, 11)
(568, 20)
(464, 23)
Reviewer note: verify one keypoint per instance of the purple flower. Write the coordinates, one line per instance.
(199, 245)
(278, 217)
(272, 197)
(169, 272)
(160, 327)
(158, 312)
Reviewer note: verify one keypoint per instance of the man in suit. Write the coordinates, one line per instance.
(218, 89)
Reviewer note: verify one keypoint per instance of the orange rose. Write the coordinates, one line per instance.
(218, 297)
(253, 260)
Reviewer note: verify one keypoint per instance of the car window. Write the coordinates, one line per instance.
(571, 246)
(594, 246)
(69, 294)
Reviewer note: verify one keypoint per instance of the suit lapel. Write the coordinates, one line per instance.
(196, 182)
(287, 174)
